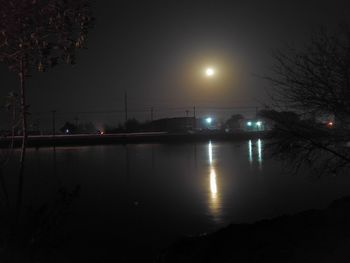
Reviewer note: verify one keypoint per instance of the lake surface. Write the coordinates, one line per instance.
(136, 199)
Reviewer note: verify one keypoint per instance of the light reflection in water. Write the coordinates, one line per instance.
(210, 153)
(259, 152)
(250, 151)
(214, 200)
(213, 185)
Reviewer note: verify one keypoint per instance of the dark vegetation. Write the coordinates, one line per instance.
(313, 83)
(34, 37)
(82, 128)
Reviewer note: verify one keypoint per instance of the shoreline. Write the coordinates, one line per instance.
(127, 138)
(314, 235)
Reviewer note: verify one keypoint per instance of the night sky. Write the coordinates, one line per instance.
(157, 51)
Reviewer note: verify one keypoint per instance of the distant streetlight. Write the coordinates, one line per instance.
(330, 124)
(209, 120)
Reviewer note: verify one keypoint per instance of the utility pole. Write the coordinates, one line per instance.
(152, 124)
(188, 123)
(194, 117)
(53, 123)
(76, 121)
(126, 105)
(38, 126)
(151, 113)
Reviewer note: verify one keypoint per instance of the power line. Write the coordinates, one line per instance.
(153, 109)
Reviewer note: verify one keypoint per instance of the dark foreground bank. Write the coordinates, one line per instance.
(310, 236)
(123, 138)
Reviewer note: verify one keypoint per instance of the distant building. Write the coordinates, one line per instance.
(254, 125)
(178, 124)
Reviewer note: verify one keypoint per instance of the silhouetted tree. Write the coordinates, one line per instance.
(275, 118)
(314, 82)
(234, 122)
(132, 125)
(87, 127)
(34, 36)
(69, 128)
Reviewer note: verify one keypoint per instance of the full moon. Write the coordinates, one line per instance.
(209, 72)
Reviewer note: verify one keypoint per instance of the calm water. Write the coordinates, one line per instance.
(146, 196)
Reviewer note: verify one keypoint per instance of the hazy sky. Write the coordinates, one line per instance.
(157, 51)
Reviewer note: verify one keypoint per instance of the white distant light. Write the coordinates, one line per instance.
(209, 120)
(249, 123)
(258, 123)
(209, 72)
(67, 131)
